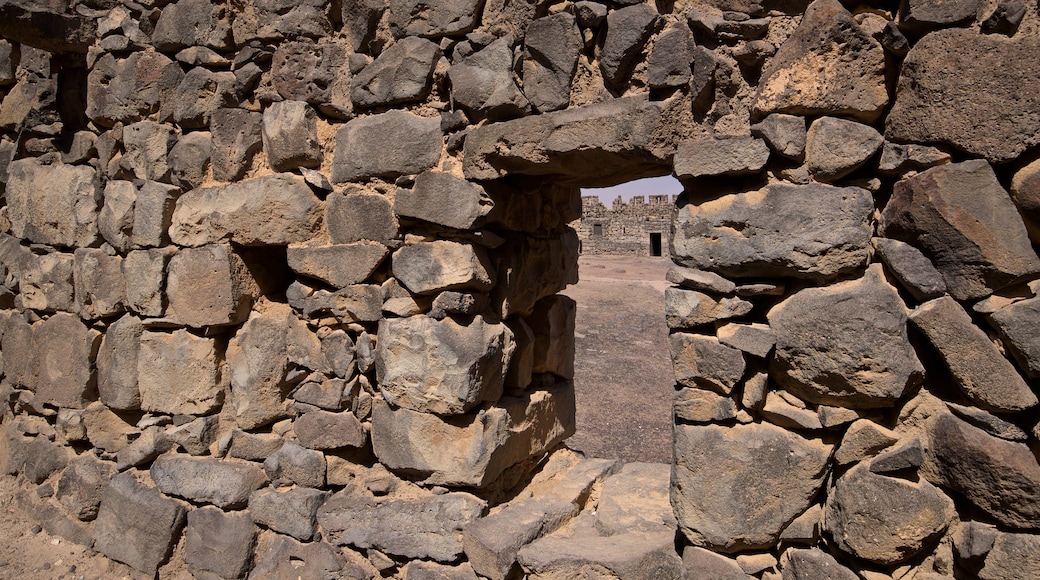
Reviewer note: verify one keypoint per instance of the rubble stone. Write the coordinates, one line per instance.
(136, 525)
(218, 542)
(290, 136)
(179, 373)
(386, 145)
(400, 74)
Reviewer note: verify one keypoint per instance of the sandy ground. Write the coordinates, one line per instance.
(624, 388)
(623, 375)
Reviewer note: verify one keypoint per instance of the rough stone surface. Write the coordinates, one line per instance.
(292, 512)
(237, 135)
(774, 236)
(258, 365)
(637, 555)
(136, 525)
(400, 74)
(117, 364)
(978, 368)
(123, 90)
(1016, 324)
(807, 76)
(720, 157)
(386, 145)
(53, 204)
(290, 136)
(66, 351)
(835, 147)
(179, 373)
(82, 484)
(777, 472)
(966, 223)
(828, 352)
(948, 94)
(219, 543)
(189, 158)
(270, 210)
(223, 483)
(1025, 192)
(355, 216)
(209, 286)
(884, 519)
(628, 30)
(785, 134)
(444, 199)
(145, 273)
(964, 459)
(99, 282)
(339, 265)
(491, 543)
(552, 45)
(428, 526)
(432, 19)
(430, 267)
(1013, 556)
(473, 450)
(689, 308)
(482, 83)
(799, 564)
(192, 22)
(294, 464)
(911, 268)
(703, 362)
(324, 430)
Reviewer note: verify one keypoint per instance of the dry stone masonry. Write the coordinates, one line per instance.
(279, 284)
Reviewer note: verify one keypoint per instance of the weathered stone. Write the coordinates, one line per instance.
(117, 364)
(636, 555)
(292, 512)
(689, 308)
(153, 213)
(595, 145)
(48, 27)
(863, 439)
(429, 267)
(978, 368)
(911, 268)
(209, 286)
(628, 30)
(429, 526)
(100, 283)
(279, 19)
(798, 564)
(28, 103)
(896, 160)
(988, 422)
(106, 430)
(756, 386)
(1013, 556)
(53, 204)
(423, 570)
(136, 525)
(531, 269)
(785, 134)
(66, 354)
(196, 436)
(775, 236)
(270, 210)
(472, 450)
(339, 265)
(720, 157)
(1016, 324)
(357, 303)
(42, 458)
(324, 430)
(219, 543)
(669, 64)
(965, 222)
(1025, 192)
(701, 563)
(81, 485)
(809, 77)
(124, 91)
(386, 145)
(257, 358)
(482, 83)
(254, 446)
(237, 135)
(189, 158)
(354, 216)
(116, 219)
(827, 353)
(47, 282)
(190, 23)
(780, 473)
(148, 145)
(779, 411)
(947, 93)
(400, 74)
(965, 459)
(702, 362)
(444, 199)
(179, 373)
(492, 543)
(290, 136)
(199, 94)
(836, 147)
(223, 483)
(907, 456)
(922, 15)
(1005, 19)
(755, 339)
(316, 73)
(432, 19)
(151, 443)
(635, 499)
(283, 558)
(145, 273)
(294, 464)
(699, 280)
(551, 48)
(552, 326)
(972, 540)
(883, 519)
(7, 64)
(441, 366)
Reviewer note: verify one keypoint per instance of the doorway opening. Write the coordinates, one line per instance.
(624, 382)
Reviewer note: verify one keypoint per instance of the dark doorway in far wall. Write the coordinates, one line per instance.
(655, 243)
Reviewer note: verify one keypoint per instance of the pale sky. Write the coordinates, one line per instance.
(666, 185)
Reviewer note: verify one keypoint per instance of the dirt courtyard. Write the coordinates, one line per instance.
(623, 374)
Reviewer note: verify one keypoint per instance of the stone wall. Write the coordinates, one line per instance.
(279, 284)
(635, 228)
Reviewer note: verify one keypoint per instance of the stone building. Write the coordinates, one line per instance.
(280, 285)
(636, 228)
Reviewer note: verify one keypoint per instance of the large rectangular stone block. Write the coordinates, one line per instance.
(53, 204)
(179, 373)
(209, 286)
(67, 350)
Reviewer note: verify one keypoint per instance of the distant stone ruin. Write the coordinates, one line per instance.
(635, 228)
(280, 284)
